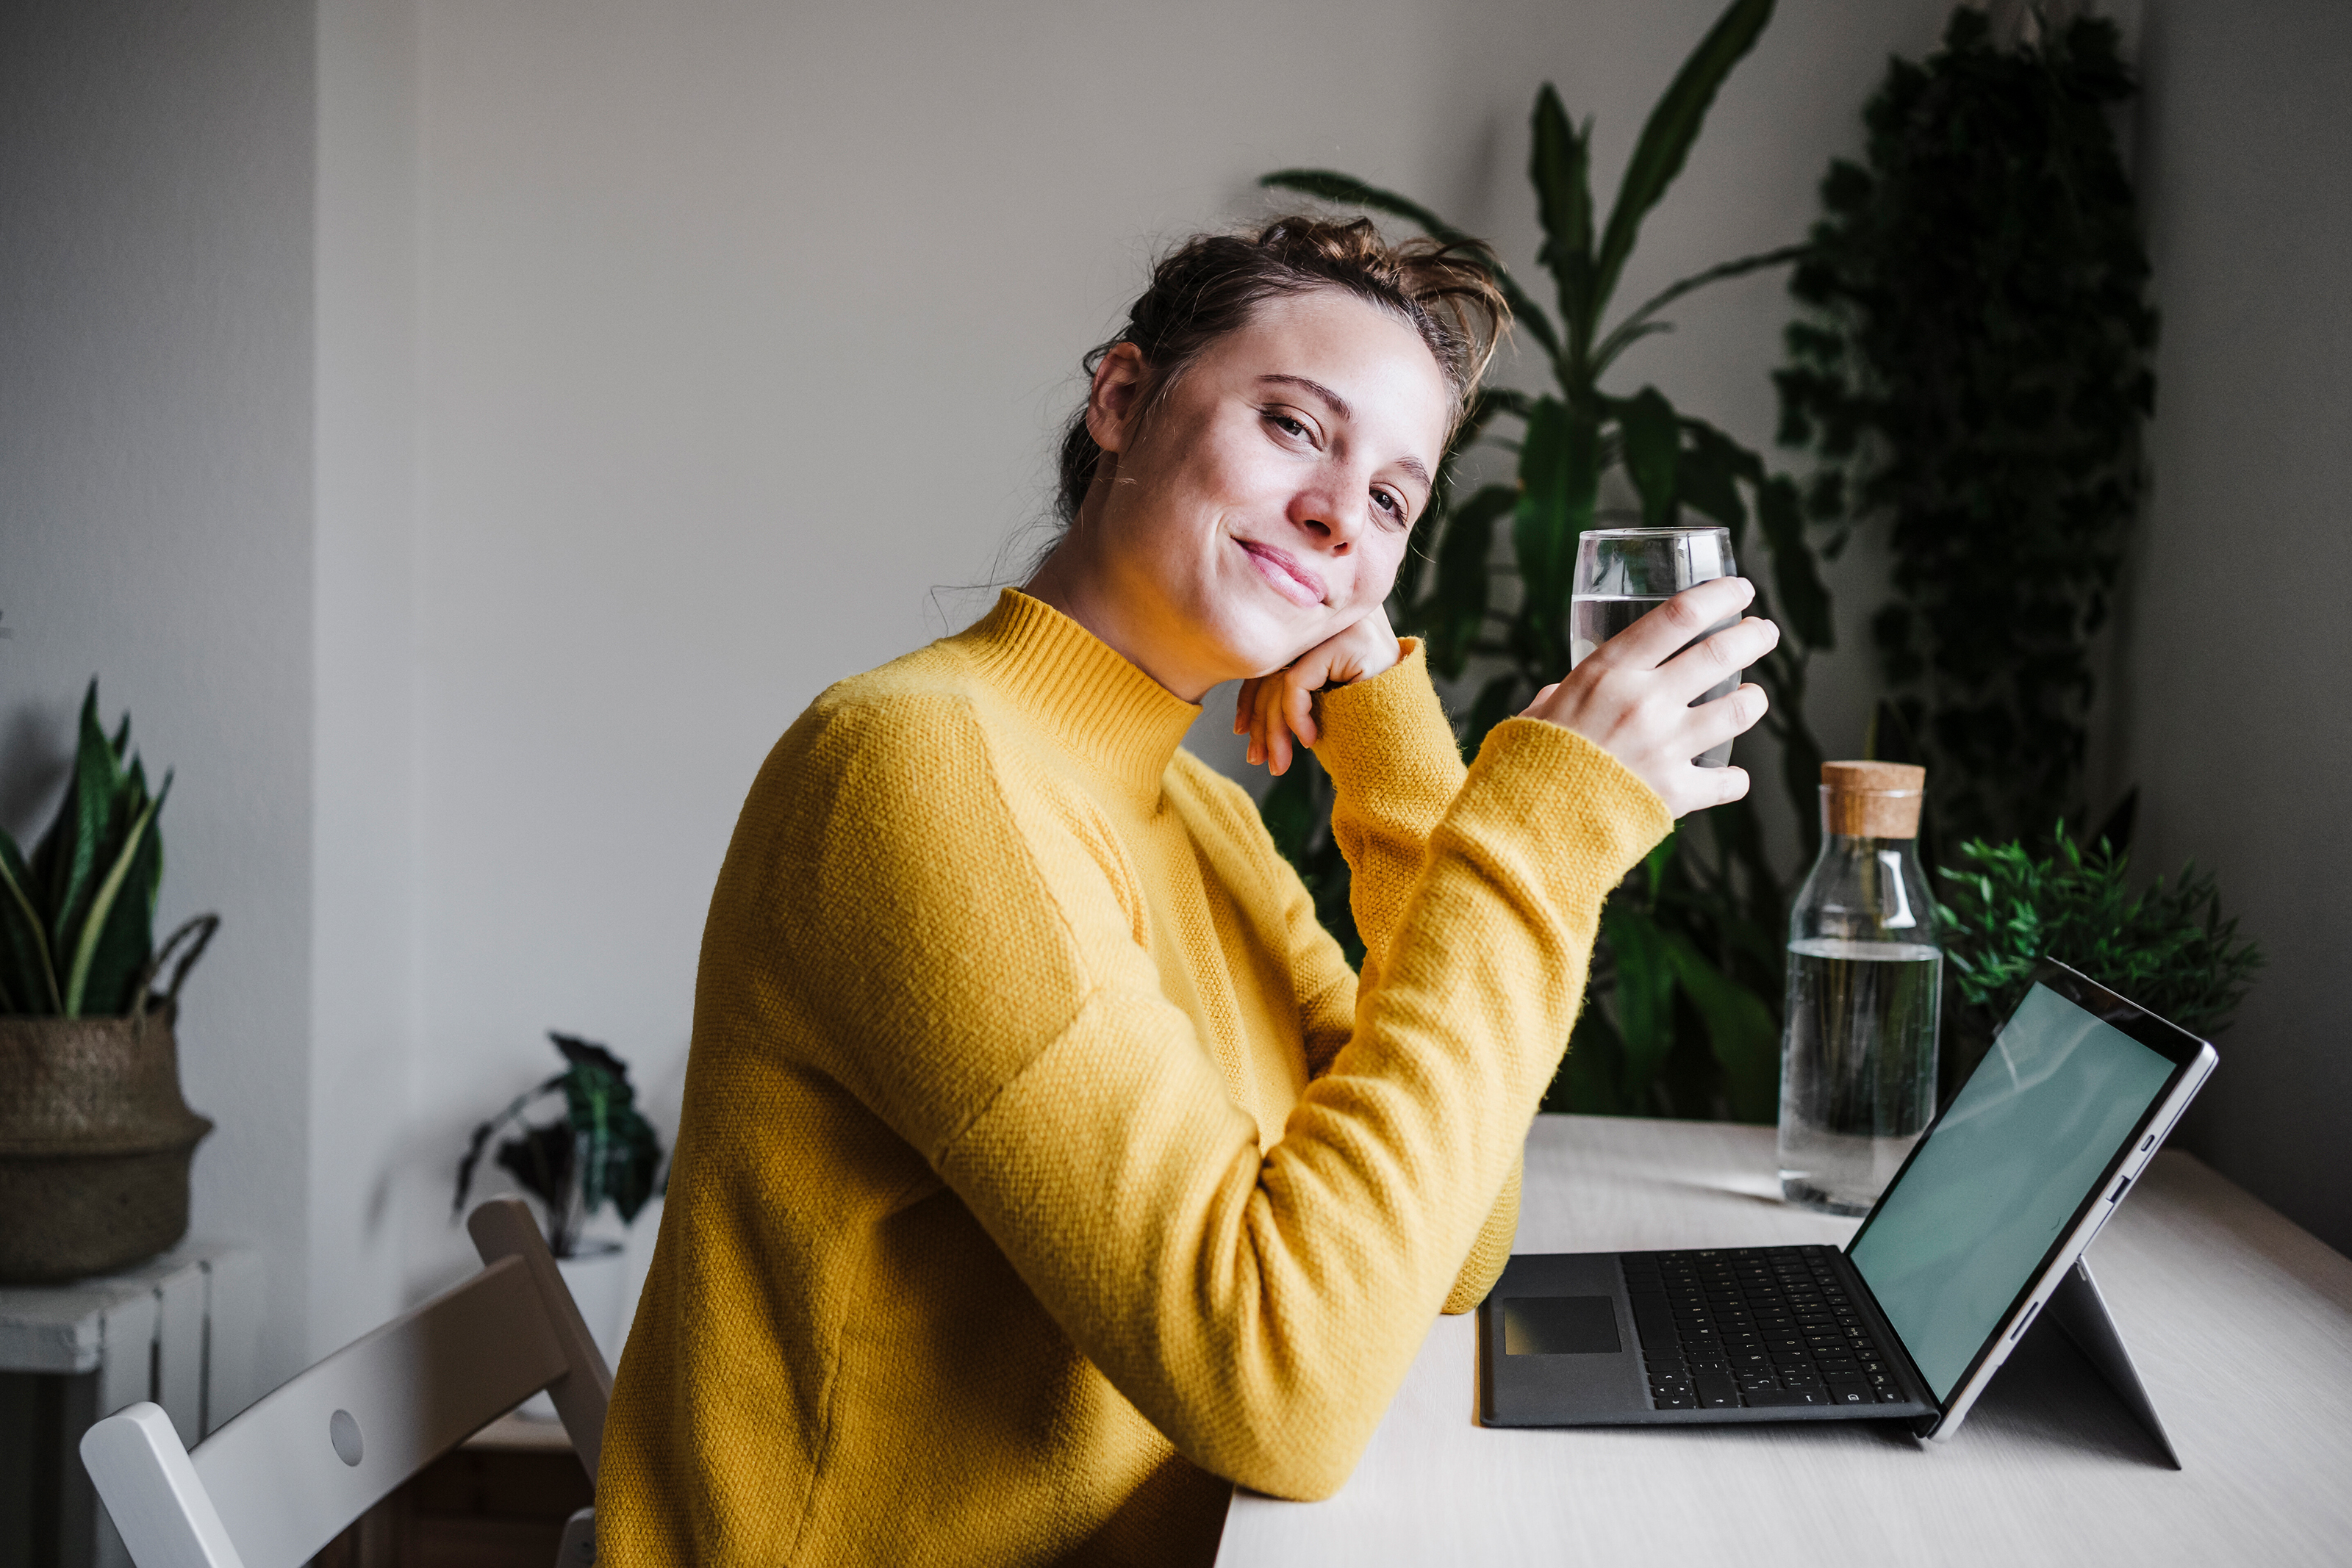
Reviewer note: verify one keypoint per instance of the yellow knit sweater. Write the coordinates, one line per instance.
(1042, 1162)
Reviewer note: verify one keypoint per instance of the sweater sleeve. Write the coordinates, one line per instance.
(991, 1000)
(1395, 767)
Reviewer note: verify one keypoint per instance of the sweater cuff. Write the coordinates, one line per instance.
(1567, 798)
(1387, 738)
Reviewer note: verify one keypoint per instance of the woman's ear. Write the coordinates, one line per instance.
(1115, 395)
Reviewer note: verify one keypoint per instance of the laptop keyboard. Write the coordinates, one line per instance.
(1754, 1326)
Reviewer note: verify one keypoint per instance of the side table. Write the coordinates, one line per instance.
(182, 1329)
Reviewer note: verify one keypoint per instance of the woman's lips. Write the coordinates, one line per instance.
(1280, 568)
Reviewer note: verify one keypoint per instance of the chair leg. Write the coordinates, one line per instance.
(579, 1548)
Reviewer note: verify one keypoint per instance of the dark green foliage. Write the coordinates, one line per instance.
(2167, 948)
(1975, 374)
(1686, 986)
(602, 1150)
(78, 920)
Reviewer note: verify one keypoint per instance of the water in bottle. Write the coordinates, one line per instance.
(1866, 983)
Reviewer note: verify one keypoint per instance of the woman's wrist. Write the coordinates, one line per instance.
(1277, 711)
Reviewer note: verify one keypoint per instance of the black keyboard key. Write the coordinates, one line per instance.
(1844, 1379)
(1850, 1395)
(1678, 1402)
(1769, 1398)
(1893, 1397)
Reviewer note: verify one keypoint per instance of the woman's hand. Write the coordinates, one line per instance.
(1273, 708)
(1632, 695)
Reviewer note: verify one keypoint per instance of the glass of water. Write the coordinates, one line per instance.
(1623, 574)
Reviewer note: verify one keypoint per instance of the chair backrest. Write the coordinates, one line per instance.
(279, 1482)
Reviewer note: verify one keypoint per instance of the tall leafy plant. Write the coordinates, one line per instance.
(1973, 374)
(1688, 977)
(78, 918)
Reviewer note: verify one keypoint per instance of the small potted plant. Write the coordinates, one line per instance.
(598, 1149)
(95, 1138)
(2166, 948)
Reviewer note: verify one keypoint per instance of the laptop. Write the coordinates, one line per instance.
(1982, 1227)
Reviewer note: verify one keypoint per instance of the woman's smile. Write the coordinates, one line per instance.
(1293, 581)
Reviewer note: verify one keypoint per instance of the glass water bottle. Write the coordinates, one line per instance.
(1866, 981)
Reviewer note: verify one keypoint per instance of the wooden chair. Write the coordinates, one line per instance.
(279, 1482)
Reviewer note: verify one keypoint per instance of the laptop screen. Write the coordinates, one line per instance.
(1982, 1203)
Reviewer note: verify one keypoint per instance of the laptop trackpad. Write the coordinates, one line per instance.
(1559, 1325)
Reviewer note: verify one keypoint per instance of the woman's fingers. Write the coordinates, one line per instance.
(1726, 719)
(1716, 786)
(1721, 657)
(1678, 622)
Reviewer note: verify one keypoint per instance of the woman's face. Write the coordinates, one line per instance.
(1262, 503)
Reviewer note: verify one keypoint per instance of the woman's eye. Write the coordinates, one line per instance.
(1284, 422)
(1389, 502)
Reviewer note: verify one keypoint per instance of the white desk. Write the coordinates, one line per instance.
(2241, 1326)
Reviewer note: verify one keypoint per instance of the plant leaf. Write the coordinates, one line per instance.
(1646, 996)
(1740, 1030)
(1639, 324)
(1559, 161)
(1457, 606)
(1666, 138)
(125, 934)
(1705, 479)
(1653, 440)
(1494, 704)
(1559, 478)
(1594, 1066)
(101, 905)
(1332, 186)
(31, 977)
(65, 861)
(1803, 597)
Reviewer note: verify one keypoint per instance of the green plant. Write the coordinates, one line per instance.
(601, 1149)
(78, 920)
(1973, 372)
(1688, 978)
(2166, 948)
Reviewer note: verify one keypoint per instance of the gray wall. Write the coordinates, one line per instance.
(744, 330)
(2237, 716)
(155, 516)
(465, 476)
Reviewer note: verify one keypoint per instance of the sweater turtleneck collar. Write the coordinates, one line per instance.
(1102, 707)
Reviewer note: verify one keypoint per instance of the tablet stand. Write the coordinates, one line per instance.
(2077, 1306)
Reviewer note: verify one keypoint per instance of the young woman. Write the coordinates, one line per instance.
(1044, 1168)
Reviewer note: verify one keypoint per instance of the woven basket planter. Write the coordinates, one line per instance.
(95, 1142)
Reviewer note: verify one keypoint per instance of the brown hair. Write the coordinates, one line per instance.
(1210, 286)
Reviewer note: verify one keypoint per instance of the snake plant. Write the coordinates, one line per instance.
(78, 918)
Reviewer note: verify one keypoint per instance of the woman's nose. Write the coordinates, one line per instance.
(1317, 512)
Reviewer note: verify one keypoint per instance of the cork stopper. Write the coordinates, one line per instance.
(1873, 799)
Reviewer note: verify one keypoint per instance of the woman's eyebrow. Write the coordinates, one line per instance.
(1340, 406)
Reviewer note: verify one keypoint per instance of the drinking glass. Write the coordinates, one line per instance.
(1623, 574)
